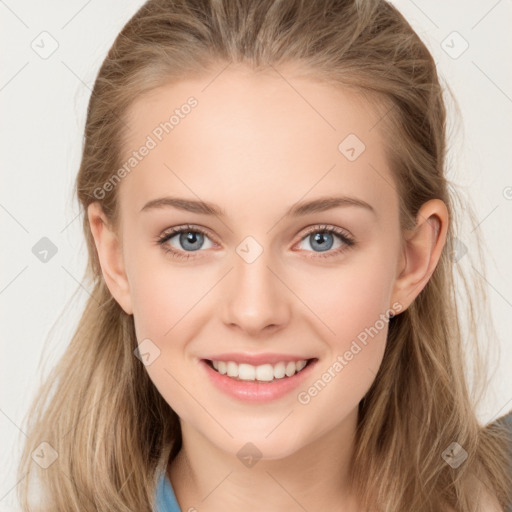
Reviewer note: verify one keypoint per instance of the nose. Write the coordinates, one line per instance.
(256, 301)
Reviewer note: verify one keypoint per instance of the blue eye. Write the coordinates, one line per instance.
(323, 238)
(191, 239)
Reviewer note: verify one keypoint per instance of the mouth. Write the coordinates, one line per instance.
(264, 373)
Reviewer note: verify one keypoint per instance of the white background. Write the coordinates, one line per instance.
(44, 103)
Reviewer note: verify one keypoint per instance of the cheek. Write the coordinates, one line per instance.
(166, 300)
(353, 305)
(350, 298)
(356, 309)
(163, 298)
(162, 291)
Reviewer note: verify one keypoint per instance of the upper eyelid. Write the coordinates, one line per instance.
(171, 232)
(327, 227)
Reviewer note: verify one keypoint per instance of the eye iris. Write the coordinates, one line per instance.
(320, 238)
(192, 238)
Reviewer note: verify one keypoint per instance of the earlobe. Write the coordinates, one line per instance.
(422, 249)
(110, 256)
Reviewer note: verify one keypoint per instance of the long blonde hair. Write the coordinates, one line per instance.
(98, 409)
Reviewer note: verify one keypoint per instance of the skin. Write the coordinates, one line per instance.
(255, 147)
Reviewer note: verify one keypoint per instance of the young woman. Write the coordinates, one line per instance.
(273, 323)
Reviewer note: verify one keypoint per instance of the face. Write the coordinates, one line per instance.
(261, 280)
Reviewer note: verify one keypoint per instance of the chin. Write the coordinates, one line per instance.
(261, 448)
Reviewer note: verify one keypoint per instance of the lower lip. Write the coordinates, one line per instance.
(256, 391)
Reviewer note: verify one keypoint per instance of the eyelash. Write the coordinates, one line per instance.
(347, 240)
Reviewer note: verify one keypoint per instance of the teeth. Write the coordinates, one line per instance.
(246, 371)
(264, 372)
(232, 369)
(300, 365)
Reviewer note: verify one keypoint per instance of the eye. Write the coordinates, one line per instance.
(189, 239)
(323, 238)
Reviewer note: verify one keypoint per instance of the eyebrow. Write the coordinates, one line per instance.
(299, 209)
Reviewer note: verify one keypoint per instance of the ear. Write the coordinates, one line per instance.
(421, 251)
(110, 256)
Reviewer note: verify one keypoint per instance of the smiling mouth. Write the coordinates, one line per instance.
(260, 373)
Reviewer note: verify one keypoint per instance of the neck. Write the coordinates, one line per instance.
(313, 478)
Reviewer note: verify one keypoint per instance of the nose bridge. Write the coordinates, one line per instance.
(256, 297)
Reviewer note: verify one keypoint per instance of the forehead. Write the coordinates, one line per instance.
(243, 138)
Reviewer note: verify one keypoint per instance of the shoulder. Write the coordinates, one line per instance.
(490, 504)
(488, 501)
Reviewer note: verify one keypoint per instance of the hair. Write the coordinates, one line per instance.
(98, 408)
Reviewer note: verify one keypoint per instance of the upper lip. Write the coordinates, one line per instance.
(256, 359)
